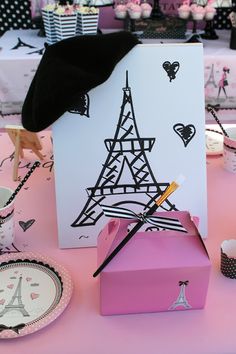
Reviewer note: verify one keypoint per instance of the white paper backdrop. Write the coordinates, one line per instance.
(159, 103)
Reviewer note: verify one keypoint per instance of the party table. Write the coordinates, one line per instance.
(20, 53)
(22, 50)
(80, 329)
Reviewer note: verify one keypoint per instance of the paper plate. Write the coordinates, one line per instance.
(34, 291)
(214, 142)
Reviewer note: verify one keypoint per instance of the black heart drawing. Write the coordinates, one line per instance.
(171, 69)
(186, 132)
(26, 224)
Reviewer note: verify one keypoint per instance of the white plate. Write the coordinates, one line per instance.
(214, 142)
(34, 291)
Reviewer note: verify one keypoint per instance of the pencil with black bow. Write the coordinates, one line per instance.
(169, 190)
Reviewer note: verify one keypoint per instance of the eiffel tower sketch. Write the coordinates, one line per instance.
(181, 299)
(211, 78)
(17, 299)
(126, 151)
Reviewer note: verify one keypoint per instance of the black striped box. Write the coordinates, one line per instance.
(65, 25)
(49, 26)
(87, 23)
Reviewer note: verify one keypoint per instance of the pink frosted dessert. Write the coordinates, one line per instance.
(198, 12)
(134, 11)
(184, 11)
(120, 11)
(146, 10)
(210, 12)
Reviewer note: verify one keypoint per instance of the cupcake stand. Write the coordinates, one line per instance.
(197, 13)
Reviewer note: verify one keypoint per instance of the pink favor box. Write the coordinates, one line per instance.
(155, 271)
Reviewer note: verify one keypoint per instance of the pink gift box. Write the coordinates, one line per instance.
(155, 271)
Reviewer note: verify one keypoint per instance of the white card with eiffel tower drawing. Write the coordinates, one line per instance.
(142, 128)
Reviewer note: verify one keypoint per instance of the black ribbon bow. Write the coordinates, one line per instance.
(183, 282)
(158, 221)
(13, 328)
(216, 107)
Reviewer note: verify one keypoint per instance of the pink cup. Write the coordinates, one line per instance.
(229, 153)
(6, 218)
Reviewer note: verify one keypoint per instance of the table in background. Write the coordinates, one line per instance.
(18, 66)
(81, 329)
(20, 54)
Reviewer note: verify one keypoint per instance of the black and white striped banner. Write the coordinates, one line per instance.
(158, 221)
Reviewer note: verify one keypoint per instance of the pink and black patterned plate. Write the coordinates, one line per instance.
(34, 291)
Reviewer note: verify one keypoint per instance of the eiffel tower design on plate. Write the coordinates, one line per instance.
(181, 300)
(127, 150)
(16, 302)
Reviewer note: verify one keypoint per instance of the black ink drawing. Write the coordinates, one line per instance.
(26, 224)
(82, 106)
(20, 44)
(127, 150)
(171, 69)
(47, 165)
(185, 132)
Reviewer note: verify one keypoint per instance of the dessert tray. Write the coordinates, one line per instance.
(214, 142)
(34, 291)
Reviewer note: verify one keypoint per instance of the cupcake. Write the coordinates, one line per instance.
(210, 12)
(198, 12)
(134, 11)
(184, 11)
(120, 11)
(146, 10)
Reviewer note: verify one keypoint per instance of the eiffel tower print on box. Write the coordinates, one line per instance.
(142, 132)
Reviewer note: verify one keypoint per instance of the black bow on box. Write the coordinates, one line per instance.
(181, 282)
(13, 328)
(158, 221)
(216, 107)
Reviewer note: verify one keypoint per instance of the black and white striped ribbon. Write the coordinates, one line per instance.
(158, 221)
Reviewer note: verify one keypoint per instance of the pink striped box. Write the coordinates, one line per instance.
(155, 271)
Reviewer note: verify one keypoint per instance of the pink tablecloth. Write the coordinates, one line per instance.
(81, 329)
